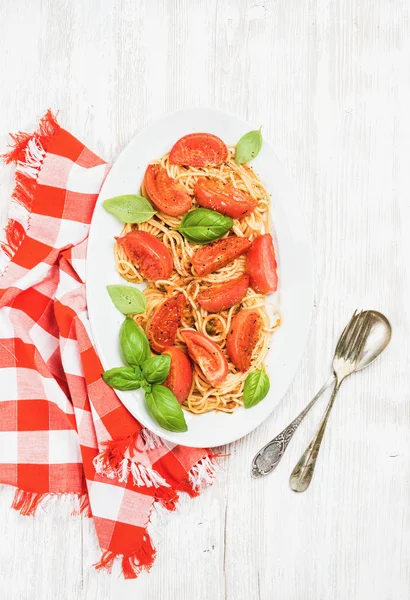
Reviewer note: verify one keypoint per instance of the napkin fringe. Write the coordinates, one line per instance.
(27, 503)
(84, 508)
(28, 152)
(132, 565)
(147, 440)
(115, 461)
(203, 473)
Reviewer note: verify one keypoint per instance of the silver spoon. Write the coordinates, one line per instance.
(268, 458)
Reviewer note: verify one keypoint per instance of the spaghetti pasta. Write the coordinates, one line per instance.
(203, 397)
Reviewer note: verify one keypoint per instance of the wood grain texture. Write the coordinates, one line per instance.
(329, 81)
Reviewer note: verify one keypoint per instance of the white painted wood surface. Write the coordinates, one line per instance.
(330, 82)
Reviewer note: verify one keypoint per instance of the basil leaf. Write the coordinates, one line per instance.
(130, 208)
(127, 299)
(165, 409)
(156, 369)
(257, 385)
(122, 378)
(201, 225)
(134, 343)
(248, 146)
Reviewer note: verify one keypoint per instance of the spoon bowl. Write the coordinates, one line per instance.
(376, 341)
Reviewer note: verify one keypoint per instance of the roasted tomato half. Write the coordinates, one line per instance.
(213, 256)
(163, 325)
(261, 265)
(208, 356)
(242, 338)
(180, 375)
(148, 253)
(198, 150)
(224, 198)
(223, 296)
(165, 192)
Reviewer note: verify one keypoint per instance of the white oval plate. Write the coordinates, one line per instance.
(295, 272)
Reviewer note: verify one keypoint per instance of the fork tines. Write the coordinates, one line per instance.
(354, 335)
(346, 334)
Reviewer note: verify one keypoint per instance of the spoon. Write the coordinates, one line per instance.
(268, 458)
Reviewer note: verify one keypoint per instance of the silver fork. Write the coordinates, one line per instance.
(345, 359)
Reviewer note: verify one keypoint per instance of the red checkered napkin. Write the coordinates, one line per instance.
(62, 429)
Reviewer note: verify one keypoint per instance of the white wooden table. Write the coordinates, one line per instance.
(329, 81)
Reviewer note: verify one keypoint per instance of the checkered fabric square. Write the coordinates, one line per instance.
(62, 429)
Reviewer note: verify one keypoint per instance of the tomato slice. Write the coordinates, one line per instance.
(213, 256)
(261, 265)
(199, 150)
(221, 297)
(165, 192)
(163, 325)
(180, 375)
(148, 253)
(224, 198)
(207, 355)
(242, 337)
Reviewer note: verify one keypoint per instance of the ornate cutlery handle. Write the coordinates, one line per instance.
(268, 458)
(302, 474)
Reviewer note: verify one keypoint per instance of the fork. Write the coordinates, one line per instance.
(347, 354)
